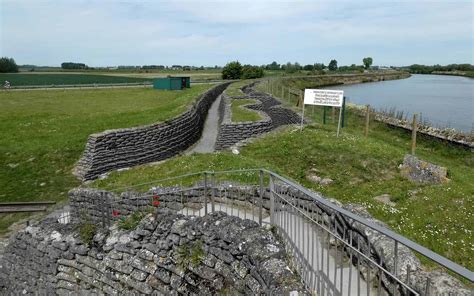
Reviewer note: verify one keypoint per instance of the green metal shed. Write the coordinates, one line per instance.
(172, 83)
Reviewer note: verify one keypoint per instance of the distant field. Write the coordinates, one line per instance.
(21, 79)
(44, 132)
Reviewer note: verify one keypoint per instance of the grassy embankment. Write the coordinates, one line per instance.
(241, 114)
(22, 79)
(44, 133)
(439, 217)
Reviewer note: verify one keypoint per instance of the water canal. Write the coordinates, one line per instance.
(444, 101)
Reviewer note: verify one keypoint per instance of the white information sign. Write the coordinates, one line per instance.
(323, 97)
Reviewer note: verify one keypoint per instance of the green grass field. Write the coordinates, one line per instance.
(439, 217)
(22, 79)
(44, 132)
(241, 114)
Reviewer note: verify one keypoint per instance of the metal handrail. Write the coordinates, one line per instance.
(450, 265)
(389, 233)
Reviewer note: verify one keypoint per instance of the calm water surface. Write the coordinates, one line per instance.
(445, 101)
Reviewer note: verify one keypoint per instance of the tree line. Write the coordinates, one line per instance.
(424, 69)
(234, 70)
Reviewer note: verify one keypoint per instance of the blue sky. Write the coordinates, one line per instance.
(101, 33)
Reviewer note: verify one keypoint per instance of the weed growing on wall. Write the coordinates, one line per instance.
(87, 231)
(189, 254)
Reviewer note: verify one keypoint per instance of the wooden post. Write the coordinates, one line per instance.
(413, 135)
(367, 119)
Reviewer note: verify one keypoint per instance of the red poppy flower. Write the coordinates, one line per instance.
(115, 213)
(156, 203)
(156, 197)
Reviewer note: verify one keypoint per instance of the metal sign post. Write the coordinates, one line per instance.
(339, 122)
(302, 118)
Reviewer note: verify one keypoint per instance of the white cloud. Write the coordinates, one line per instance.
(211, 32)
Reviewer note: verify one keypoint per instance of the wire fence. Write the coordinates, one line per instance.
(335, 251)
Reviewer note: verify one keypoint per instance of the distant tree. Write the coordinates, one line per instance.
(308, 67)
(273, 66)
(319, 66)
(332, 65)
(8, 65)
(250, 72)
(232, 70)
(291, 68)
(367, 62)
(73, 66)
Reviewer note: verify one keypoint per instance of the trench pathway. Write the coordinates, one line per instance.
(209, 133)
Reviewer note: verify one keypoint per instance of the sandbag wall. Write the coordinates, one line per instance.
(274, 115)
(231, 133)
(114, 149)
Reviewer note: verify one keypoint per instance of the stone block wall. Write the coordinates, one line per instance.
(379, 247)
(104, 207)
(120, 148)
(167, 254)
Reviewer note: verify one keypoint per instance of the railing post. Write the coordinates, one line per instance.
(102, 210)
(272, 200)
(213, 193)
(395, 267)
(205, 193)
(260, 210)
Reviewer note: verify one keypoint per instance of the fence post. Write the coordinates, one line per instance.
(272, 200)
(413, 135)
(260, 210)
(367, 119)
(205, 193)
